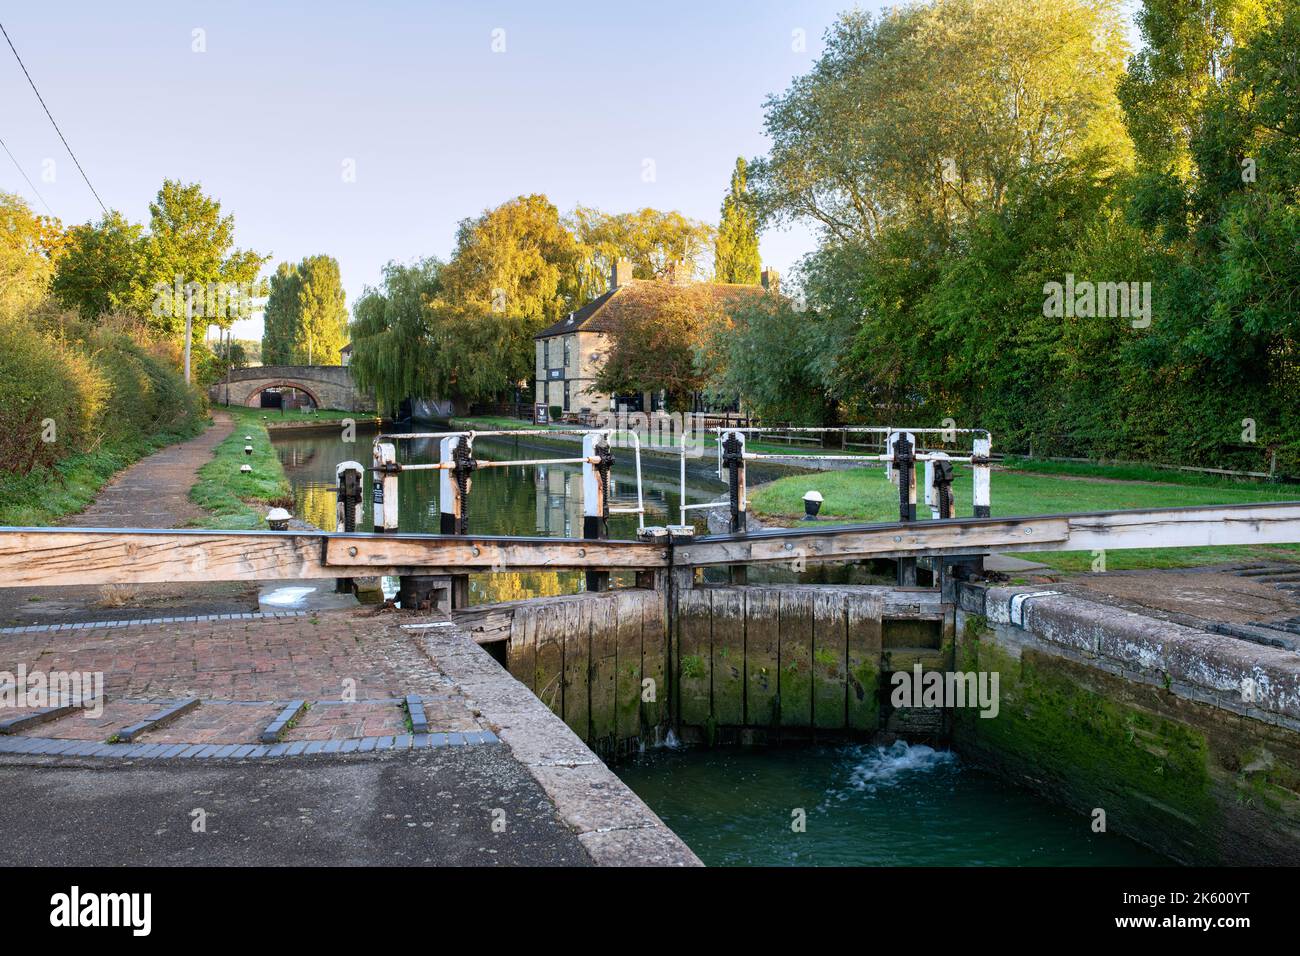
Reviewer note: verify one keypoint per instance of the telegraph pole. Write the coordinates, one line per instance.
(189, 324)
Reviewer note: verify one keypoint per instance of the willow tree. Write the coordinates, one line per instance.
(735, 251)
(392, 336)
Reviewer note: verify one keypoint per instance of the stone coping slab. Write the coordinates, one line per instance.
(613, 824)
(56, 747)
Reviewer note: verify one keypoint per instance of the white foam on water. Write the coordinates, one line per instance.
(882, 767)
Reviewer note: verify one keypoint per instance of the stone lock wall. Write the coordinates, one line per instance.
(1188, 741)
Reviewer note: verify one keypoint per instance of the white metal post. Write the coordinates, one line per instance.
(385, 488)
(593, 505)
(980, 450)
(448, 497)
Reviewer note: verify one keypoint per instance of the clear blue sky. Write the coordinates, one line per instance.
(439, 126)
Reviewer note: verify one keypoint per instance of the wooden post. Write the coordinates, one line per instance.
(347, 510)
(595, 506)
(980, 451)
(733, 459)
(451, 507)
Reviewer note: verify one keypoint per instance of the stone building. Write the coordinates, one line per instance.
(569, 352)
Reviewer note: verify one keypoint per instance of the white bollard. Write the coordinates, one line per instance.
(448, 498)
(385, 488)
(980, 449)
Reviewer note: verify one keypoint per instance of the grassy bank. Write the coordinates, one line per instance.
(49, 493)
(863, 494)
(238, 501)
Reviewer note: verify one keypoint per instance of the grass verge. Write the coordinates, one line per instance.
(234, 500)
(864, 494)
(43, 496)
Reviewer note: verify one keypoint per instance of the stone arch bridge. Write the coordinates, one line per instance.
(330, 386)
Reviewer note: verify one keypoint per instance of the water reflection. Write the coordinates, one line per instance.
(525, 499)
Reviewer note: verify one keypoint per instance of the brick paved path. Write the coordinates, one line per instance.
(352, 668)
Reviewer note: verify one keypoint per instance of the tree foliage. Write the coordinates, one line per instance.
(931, 112)
(29, 246)
(654, 241)
(392, 335)
(187, 253)
(305, 321)
(735, 251)
(927, 294)
(659, 333)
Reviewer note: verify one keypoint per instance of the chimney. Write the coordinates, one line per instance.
(620, 274)
(677, 273)
(771, 280)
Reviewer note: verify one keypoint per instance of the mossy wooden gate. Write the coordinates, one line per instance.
(745, 664)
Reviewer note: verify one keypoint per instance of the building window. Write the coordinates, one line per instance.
(568, 340)
(546, 353)
(567, 385)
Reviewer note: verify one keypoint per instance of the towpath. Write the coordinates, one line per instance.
(152, 493)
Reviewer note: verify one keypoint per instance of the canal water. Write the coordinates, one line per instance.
(525, 499)
(862, 805)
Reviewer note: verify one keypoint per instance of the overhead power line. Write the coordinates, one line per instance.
(51, 116)
(30, 184)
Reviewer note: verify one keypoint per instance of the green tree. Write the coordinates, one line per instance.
(514, 270)
(1186, 59)
(280, 318)
(766, 358)
(28, 247)
(392, 336)
(735, 251)
(654, 241)
(932, 112)
(187, 254)
(515, 260)
(317, 317)
(191, 247)
(103, 269)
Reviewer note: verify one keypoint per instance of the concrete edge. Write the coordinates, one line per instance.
(613, 825)
(1251, 679)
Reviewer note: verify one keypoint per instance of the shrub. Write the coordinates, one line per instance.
(51, 390)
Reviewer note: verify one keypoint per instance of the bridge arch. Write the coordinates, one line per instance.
(252, 400)
(329, 386)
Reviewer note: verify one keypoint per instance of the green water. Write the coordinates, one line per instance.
(864, 806)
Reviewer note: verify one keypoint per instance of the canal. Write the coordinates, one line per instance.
(860, 804)
(528, 500)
